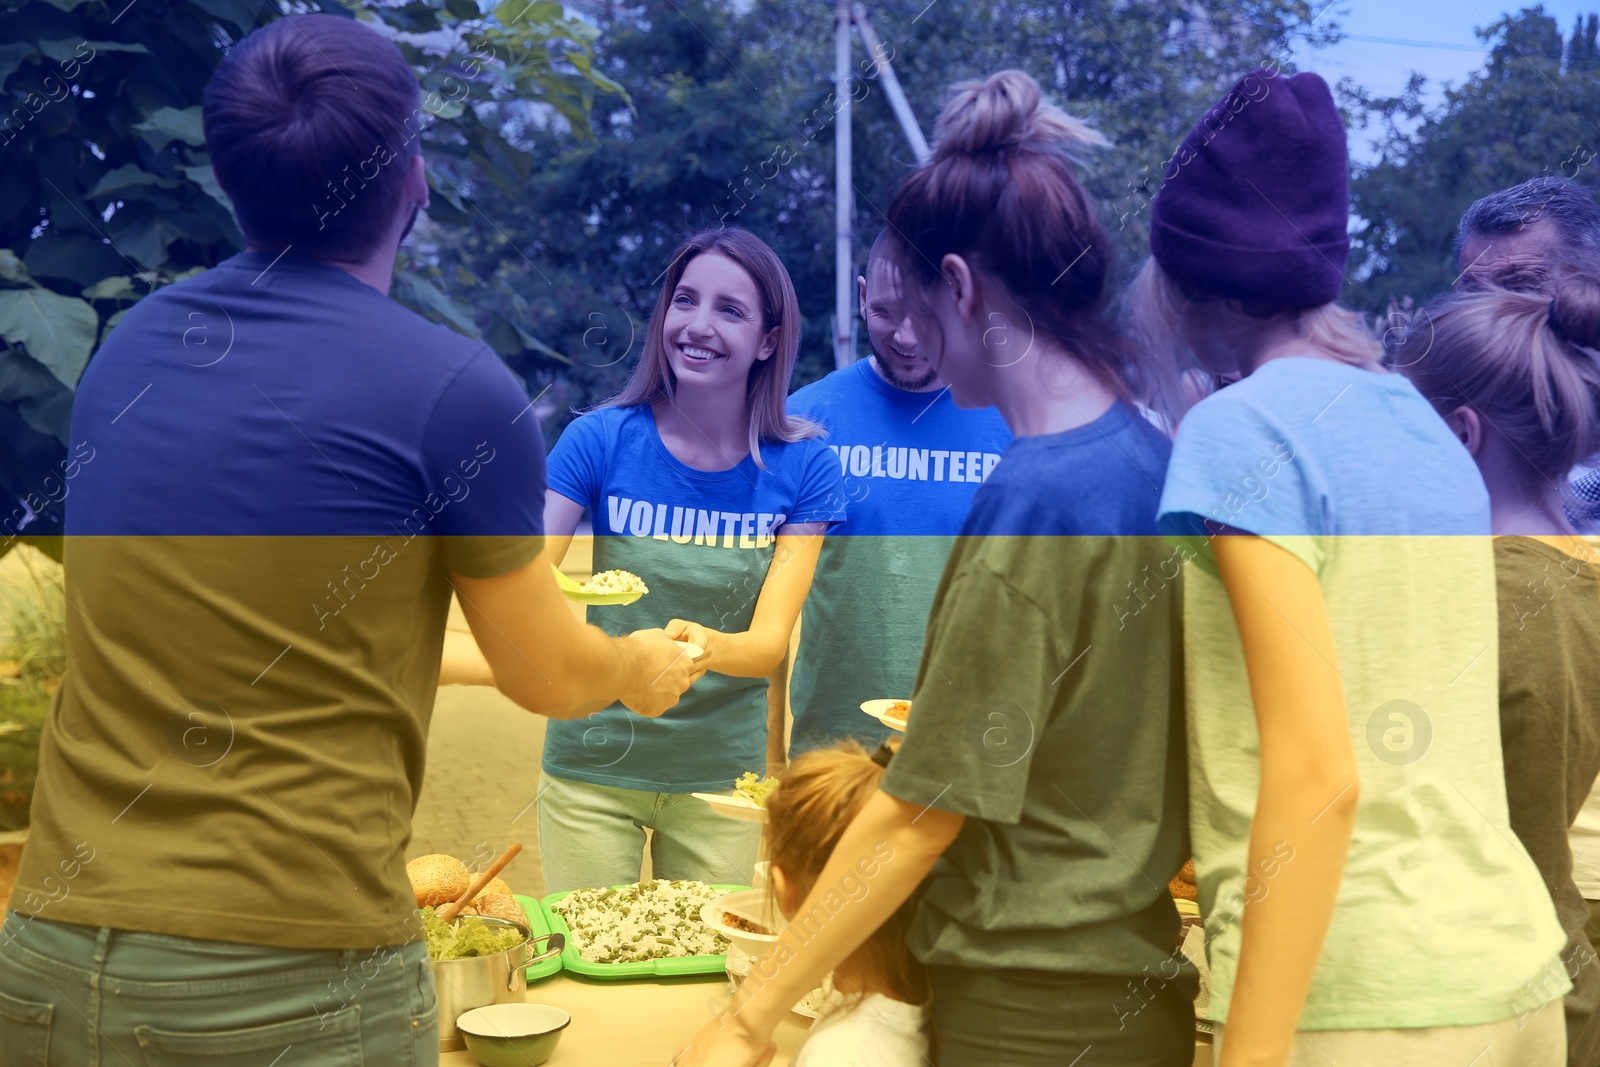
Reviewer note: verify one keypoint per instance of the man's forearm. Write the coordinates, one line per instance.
(591, 671)
(462, 662)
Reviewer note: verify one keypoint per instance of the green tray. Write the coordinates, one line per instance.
(538, 923)
(663, 968)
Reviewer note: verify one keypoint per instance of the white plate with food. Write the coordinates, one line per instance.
(737, 806)
(750, 793)
(607, 587)
(746, 917)
(892, 713)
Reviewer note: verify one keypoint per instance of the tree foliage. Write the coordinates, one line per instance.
(733, 123)
(1530, 111)
(106, 192)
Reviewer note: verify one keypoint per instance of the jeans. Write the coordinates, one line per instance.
(81, 996)
(593, 835)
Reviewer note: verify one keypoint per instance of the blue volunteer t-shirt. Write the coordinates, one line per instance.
(702, 542)
(1099, 465)
(911, 464)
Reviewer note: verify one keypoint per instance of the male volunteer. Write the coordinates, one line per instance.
(912, 461)
(280, 476)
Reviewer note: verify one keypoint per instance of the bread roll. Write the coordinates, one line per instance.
(501, 906)
(437, 879)
(1183, 886)
(496, 887)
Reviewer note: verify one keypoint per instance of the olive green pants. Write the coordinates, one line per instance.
(1038, 1019)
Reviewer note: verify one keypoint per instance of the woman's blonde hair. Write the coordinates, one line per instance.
(1525, 360)
(768, 388)
(1157, 309)
(1000, 191)
(817, 797)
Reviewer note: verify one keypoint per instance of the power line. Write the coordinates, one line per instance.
(1408, 43)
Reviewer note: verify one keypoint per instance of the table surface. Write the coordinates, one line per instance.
(638, 1023)
(643, 1023)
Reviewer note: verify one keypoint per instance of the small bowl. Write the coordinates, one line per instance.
(512, 1035)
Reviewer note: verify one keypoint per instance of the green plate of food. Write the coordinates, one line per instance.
(646, 930)
(607, 587)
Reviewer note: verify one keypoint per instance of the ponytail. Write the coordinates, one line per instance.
(1000, 191)
(1529, 361)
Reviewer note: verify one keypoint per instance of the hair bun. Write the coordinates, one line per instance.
(1003, 110)
(1575, 309)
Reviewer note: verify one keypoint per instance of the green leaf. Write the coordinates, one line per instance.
(202, 175)
(11, 57)
(128, 176)
(79, 258)
(11, 268)
(242, 14)
(50, 414)
(145, 233)
(423, 297)
(168, 124)
(67, 48)
(59, 331)
(521, 13)
(539, 346)
(109, 288)
(111, 322)
(21, 376)
(446, 109)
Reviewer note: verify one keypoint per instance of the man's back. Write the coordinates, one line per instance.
(285, 466)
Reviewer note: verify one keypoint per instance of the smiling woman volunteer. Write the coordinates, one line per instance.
(697, 481)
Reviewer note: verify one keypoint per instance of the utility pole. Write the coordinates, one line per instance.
(846, 12)
(844, 318)
(891, 85)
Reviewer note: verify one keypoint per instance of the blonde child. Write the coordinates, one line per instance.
(880, 1020)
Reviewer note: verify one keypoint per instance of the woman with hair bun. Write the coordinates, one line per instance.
(1516, 375)
(1365, 900)
(1037, 799)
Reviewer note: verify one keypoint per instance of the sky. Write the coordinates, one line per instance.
(1388, 39)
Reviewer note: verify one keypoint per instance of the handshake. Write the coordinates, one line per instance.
(665, 663)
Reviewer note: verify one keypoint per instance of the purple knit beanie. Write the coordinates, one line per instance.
(1255, 203)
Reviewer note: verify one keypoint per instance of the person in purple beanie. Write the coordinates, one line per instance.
(1365, 900)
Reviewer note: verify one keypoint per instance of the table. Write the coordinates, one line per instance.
(642, 1023)
(637, 1023)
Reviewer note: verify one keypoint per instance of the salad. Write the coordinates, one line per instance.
(755, 788)
(653, 920)
(469, 936)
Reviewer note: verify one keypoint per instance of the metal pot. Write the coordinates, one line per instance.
(478, 981)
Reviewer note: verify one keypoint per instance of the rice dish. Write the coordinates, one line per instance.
(649, 921)
(615, 582)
